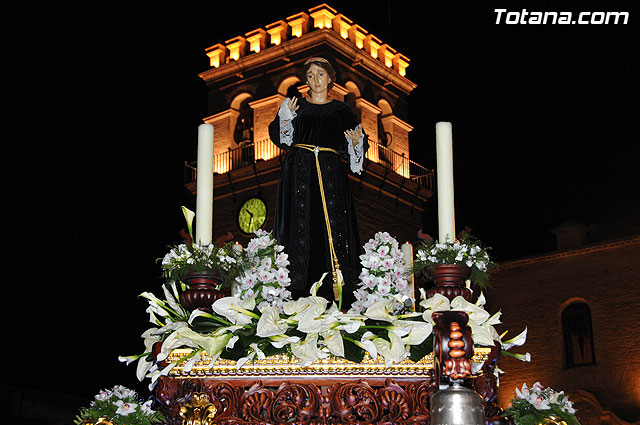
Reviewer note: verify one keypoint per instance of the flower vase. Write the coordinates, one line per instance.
(202, 290)
(449, 280)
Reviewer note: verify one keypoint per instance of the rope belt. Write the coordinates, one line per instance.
(335, 266)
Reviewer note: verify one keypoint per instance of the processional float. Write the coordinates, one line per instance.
(442, 387)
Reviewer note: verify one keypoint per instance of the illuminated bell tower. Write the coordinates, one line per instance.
(250, 76)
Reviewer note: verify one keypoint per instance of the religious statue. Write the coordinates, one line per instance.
(315, 217)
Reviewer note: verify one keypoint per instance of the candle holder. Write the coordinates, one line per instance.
(449, 280)
(202, 290)
(452, 352)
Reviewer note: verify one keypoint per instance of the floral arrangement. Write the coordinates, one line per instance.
(466, 251)
(264, 275)
(121, 406)
(384, 275)
(537, 404)
(480, 321)
(261, 320)
(191, 257)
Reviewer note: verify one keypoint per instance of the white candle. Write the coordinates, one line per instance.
(204, 186)
(407, 254)
(444, 157)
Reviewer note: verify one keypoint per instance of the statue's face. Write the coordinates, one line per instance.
(318, 79)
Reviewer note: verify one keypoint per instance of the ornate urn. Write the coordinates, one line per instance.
(449, 280)
(202, 290)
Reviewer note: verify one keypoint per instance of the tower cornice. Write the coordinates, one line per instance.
(294, 50)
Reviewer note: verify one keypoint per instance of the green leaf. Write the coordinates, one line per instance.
(205, 325)
(352, 352)
(417, 352)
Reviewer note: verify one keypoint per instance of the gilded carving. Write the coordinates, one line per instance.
(199, 411)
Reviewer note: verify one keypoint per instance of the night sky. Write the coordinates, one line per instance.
(105, 107)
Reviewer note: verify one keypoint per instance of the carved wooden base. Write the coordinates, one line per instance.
(302, 402)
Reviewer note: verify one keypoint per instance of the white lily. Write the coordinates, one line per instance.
(213, 344)
(339, 284)
(423, 294)
(419, 331)
(350, 323)
(156, 306)
(333, 340)
(198, 313)
(436, 303)
(280, 341)
(307, 350)
(130, 359)
(476, 313)
(258, 351)
(481, 335)
(236, 310)
(188, 216)
(400, 327)
(173, 341)
(241, 361)
(191, 362)
(169, 327)
(143, 364)
(393, 350)
(481, 300)
(171, 300)
(152, 298)
(270, 323)
(515, 341)
(409, 314)
(494, 320)
(311, 320)
(158, 373)
(367, 344)
(143, 367)
(492, 331)
(174, 289)
(380, 311)
(232, 341)
(255, 351)
(154, 309)
(293, 308)
(149, 338)
(152, 317)
(314, 288)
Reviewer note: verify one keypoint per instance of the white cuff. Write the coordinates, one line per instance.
(286, 126)
(356, 155)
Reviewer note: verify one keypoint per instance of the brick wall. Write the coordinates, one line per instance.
(532, 292)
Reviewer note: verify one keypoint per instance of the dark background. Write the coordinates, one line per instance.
(104, 103)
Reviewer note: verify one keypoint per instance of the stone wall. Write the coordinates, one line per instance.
(532, 292)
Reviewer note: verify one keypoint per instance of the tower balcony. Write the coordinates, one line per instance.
(252, 152)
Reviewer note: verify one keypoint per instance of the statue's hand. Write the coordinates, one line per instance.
(293, 104)
(354, 135)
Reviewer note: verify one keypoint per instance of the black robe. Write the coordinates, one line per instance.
(299, 217)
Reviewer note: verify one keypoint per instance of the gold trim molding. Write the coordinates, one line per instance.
(286, 367)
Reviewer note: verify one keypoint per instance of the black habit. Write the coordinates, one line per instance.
(299, 217)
